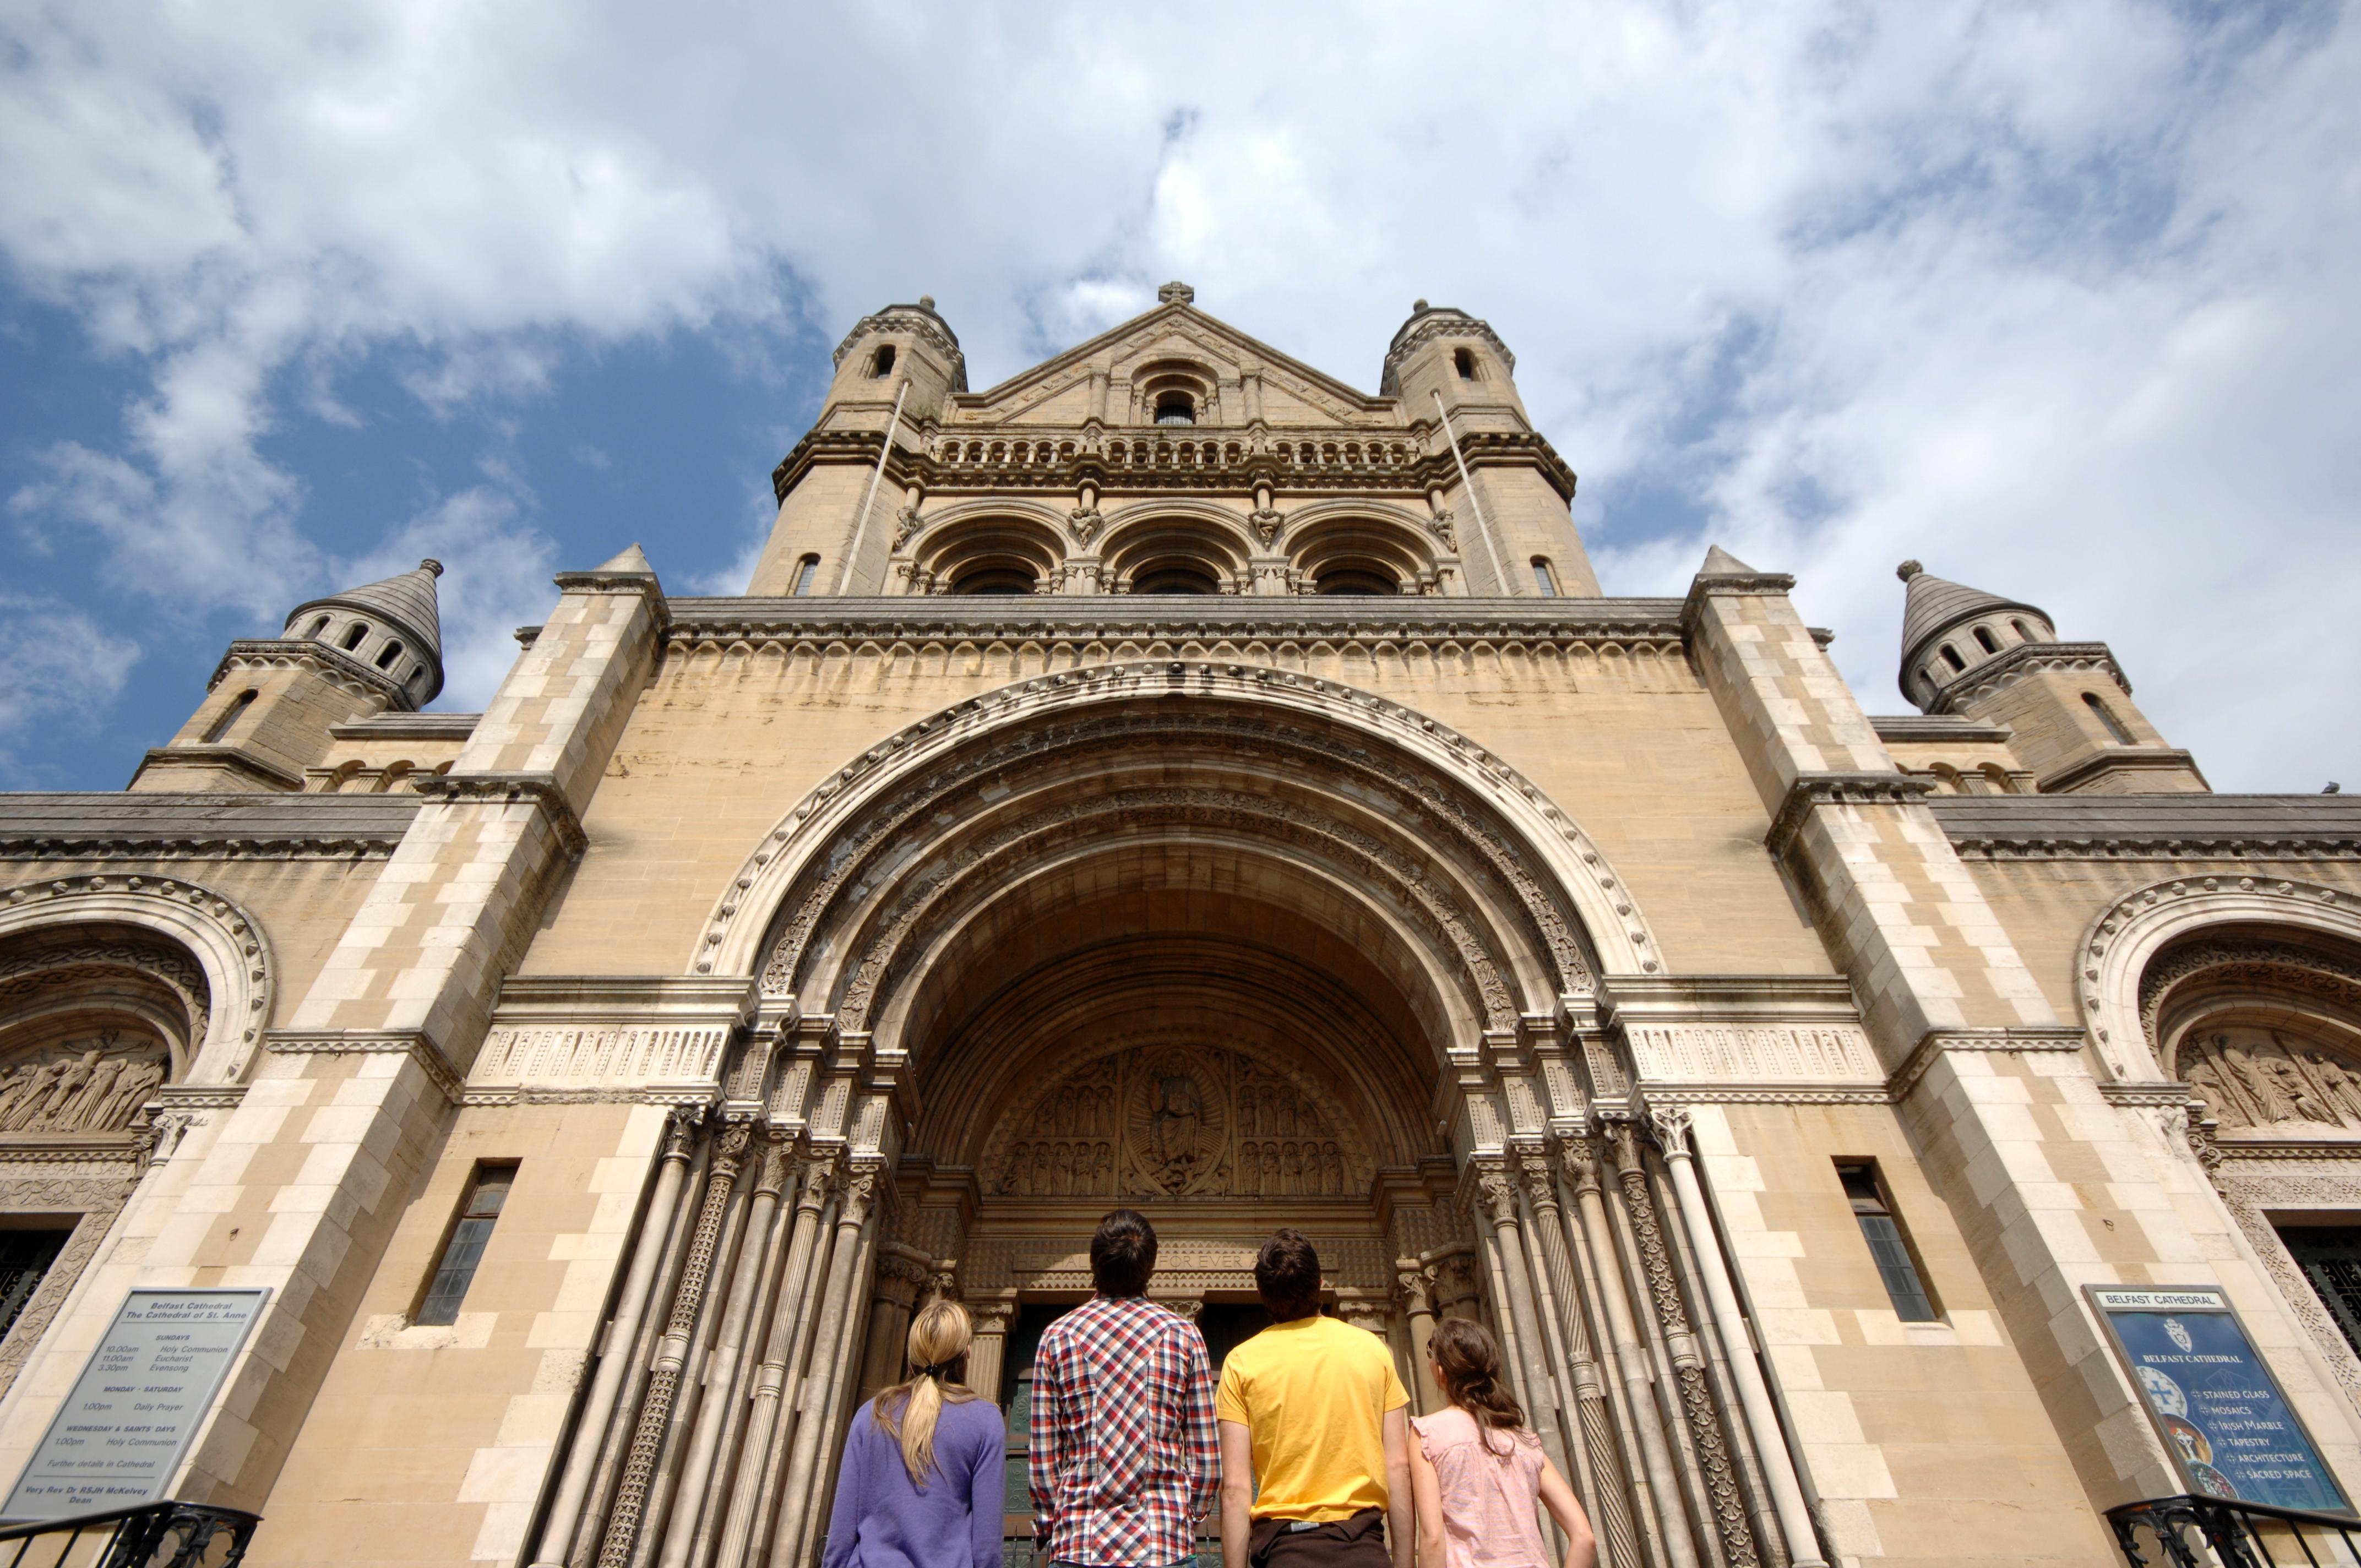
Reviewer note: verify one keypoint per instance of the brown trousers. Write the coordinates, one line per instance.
(1356, 1543)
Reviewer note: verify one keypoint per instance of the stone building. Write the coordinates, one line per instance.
(1174, 777)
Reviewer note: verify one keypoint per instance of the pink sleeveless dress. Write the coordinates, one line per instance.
(1488, 1496)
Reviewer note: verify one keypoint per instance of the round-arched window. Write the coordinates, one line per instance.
(1176, 408)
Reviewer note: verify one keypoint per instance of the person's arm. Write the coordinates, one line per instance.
(1581, 1546)
(986, 1488)
(852, 1498)
(1199, 1431)
(1426, 1491)
(1237, 1493)
(1041, 1455)
(1398, 1493)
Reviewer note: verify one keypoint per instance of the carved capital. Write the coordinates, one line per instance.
(682, 1123)
(1540, 1188)
(1578, 1158)
(1498, 1197)
(1671, 1124)
(990, 1319)
(860, 1188)
(776, 1165)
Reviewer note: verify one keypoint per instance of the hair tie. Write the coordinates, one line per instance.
(936, 1370)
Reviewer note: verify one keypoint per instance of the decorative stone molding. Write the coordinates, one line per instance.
(1811, 791)
(2012, 665)
(351, 676)
(919, 321)
(93, 1189)
(1696, 1035)
(2118, 946)
(627, 1038)
(1441, 324)
(2168, 828)
(1356, 1265)
(410, 1043)
(2015, 1039)
(226, 943)
(1546, 840)
(540, 790)
(2262, 1182)
(2120, 759)
(201, 826)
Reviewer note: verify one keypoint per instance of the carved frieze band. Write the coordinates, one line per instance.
(607, 1056)
(1753, 1053)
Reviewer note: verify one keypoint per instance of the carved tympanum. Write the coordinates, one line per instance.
(84, 1085)
(2253, 1077)
(1180, 1121)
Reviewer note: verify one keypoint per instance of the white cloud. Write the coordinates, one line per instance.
(496, 571)
(2054, 296)
(58, 668)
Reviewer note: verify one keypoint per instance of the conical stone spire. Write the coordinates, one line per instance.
(1936, 606)
(1720, 562)
(404, 604)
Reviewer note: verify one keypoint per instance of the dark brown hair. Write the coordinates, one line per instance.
(1470, 1363)
(1123, 1254)
(1286, 1276)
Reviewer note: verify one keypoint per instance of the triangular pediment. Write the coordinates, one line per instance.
(1174, 333)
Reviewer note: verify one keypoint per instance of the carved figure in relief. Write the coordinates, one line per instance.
(2255, 1077)
(1180, 1117)
(93, 1085)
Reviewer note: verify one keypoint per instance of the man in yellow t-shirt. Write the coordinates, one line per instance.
(1312, 1409)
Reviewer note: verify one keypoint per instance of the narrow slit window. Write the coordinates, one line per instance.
(2114, 726)
(2023, 633)
(1888, 1245)
(1986, 640)
(805, 570)
(392, 651)
(884, 363)
(1464, 361)
(319, 628)
(1544, 579)
(486, 1195)
(352, 637)
(229, 715)
(25, 1260)
(1951, 657)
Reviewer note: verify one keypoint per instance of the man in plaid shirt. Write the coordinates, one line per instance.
(1125, 1458)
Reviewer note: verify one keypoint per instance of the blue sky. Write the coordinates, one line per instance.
(2058, 298)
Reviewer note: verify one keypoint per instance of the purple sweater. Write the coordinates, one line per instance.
(881, 1520)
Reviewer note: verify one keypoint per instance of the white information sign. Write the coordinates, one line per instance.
(118, 1437)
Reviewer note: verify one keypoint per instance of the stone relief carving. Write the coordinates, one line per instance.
(1084, 523)
(611, 1055)
(1266, 522)
(86, 1085)
(1181, 1121)
(1715, 1053)
(2281, 967)
(2252, 1077)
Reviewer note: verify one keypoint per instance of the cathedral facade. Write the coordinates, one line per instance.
(1175, 778)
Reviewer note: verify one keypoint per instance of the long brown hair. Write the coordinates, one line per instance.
(1470, 1363)
(907, 1411)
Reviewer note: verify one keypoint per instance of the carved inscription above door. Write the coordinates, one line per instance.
(1178, 1121)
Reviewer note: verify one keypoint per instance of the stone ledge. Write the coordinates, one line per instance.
(2151, 827)
(1934, 729)
(212, 756)
(2014, 665)
(541, 790)
(407, 727)
(1811, 791)
(2123, 759)
(166, 825)
(411, 1043)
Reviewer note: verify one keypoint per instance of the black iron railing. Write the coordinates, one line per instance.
(2218, 1533)
(156, 1535)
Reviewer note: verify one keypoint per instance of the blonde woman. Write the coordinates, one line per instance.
(921, 1485)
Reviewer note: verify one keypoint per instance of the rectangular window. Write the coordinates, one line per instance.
(24, 1259)
(2330, 1256)
(1887, 1244)
(486, 1193)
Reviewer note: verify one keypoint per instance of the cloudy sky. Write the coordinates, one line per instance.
(2063, 298)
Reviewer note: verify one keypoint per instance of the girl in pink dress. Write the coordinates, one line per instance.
(1476, 1471)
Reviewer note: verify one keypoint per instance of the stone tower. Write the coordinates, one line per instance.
(2068, 705)
(272, 702)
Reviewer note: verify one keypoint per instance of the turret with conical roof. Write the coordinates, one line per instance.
(2068, 705)
(341, 657)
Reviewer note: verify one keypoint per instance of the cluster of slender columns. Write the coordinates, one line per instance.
(728, 1361)
(1620, 1326)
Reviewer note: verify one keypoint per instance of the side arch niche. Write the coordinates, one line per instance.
(1175, 547)
(971, 550)
(1341, 547)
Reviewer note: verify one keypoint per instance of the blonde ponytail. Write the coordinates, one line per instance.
(907, 1411)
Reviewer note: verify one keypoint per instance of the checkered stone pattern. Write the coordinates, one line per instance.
(565, 703)
(1791, 712)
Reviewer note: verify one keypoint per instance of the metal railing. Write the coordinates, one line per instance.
(154, 1535)
(2219, 1532)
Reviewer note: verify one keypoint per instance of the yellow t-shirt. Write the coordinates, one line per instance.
(1312, 1394)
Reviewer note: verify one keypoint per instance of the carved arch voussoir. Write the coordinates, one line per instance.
(2116, 950)
(228, 945)
(1548, 854)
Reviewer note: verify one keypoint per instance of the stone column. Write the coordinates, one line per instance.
(1655, 1486)
(1753, 1396)
(639, 1479)
(823, 1189)
(990, 1320)
(839, 1391)
(690, 1536)
(812, 1391)
(1603, 1483)
(1414, 1286)
(622, 1336)
(901, 1275)
(1553, 1336)
(1528, 1341)
(1689, 1415)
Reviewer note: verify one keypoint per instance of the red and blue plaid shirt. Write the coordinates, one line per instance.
(1125, 1454)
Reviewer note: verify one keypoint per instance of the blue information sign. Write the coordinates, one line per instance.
(2213, 1401)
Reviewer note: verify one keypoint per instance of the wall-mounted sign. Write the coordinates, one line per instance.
(119, 1437)
(2212, 1400)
